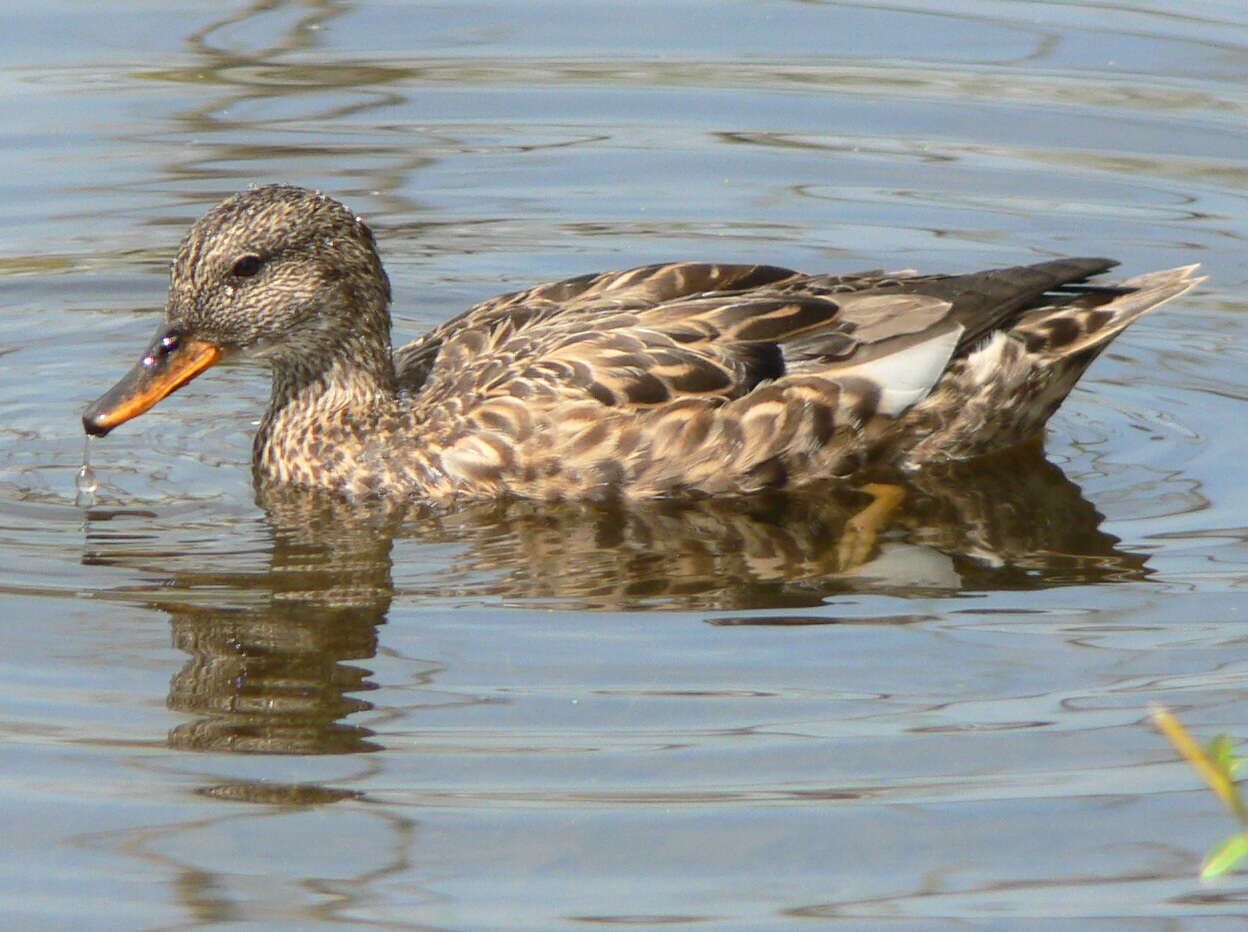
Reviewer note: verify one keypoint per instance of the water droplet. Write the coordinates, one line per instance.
(86, 481)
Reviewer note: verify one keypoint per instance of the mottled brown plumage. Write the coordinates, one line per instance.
(663, 380)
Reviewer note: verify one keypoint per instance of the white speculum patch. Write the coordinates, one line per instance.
(907, 376)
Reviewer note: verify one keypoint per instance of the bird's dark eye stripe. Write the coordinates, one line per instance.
(247, 266)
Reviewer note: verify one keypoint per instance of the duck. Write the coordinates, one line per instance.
(674, 379)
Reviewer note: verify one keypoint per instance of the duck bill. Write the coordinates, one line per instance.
(169, 363)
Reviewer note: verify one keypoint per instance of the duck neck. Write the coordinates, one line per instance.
(329, 393)
(356, 374)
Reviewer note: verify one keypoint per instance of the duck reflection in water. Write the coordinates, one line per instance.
(1013, 521)
(274, 653)
(271, 670)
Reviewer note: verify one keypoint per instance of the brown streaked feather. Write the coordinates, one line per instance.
(630, 289)
(1094, 318)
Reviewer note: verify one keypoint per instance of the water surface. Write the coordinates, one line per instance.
(289, 713)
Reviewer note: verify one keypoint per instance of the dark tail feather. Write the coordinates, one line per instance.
(985, 301)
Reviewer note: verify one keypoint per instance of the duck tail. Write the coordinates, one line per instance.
(1004, 390)
(1087, 324)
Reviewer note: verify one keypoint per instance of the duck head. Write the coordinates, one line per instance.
(278, 272)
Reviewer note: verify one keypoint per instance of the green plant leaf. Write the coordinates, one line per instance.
(1222, 751)
(1225, 855)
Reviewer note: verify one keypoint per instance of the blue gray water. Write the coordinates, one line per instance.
(303, 715)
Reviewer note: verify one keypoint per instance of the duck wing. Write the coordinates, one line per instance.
(648, 336)
(652, 334)
(592, 295)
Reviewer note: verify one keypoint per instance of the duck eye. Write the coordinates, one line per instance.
(247, 266)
